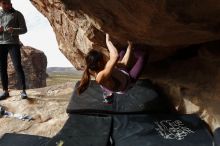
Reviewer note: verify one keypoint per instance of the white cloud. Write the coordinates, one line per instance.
(40, 34)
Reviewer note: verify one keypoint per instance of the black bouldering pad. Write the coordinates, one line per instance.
(160, 130)
(11, 139)
(217, 137)
(83, 130)
(133, 130)
(90, 100)
(132, 120)
(141, 98)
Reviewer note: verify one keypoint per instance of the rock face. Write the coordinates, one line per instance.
(165, 24)
(34, 64)
(180, 36)
(191, 79)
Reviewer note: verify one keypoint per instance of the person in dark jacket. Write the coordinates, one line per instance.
(12, 24)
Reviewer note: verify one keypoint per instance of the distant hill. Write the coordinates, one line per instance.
(63, 70)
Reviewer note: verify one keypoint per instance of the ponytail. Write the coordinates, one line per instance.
(84, 83)
(94, 63)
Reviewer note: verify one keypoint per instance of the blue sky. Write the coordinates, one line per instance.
(40, 34)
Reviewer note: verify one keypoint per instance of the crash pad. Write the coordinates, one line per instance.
(141, 98)
(160, 130)
(133, 130)
(13, 139)
(84, 130)
(217, 137)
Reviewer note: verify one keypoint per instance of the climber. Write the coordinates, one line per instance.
(116, 74)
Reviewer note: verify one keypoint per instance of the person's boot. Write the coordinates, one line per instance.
(4, 95)
(24, 95)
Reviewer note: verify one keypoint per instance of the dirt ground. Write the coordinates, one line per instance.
(46, 106)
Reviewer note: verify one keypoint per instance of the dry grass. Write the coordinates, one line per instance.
(60, 78)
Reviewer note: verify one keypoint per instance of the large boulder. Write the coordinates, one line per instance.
(34, 64)
(166, 25)
(181, 37)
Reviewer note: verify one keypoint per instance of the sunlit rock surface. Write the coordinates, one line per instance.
(46, 106)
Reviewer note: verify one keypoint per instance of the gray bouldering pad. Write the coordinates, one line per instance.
(83, 130)
(141, 98)
(160, 130)
(11, 139)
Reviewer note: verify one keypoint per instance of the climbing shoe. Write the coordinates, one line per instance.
(24, 95)
(4, 95)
